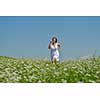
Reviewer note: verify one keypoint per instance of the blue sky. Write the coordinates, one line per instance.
(29, 36)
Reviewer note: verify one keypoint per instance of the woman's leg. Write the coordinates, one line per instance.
(54, 60)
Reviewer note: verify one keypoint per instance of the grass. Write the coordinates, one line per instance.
(14, 70)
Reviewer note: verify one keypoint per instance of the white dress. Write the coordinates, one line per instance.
(54, 51)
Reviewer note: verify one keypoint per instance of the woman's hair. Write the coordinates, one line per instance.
(54, 38)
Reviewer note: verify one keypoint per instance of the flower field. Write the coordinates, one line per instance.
(16, 70)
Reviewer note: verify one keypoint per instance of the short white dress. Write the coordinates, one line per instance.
(54, 52)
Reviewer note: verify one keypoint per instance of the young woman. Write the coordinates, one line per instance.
(54, 47)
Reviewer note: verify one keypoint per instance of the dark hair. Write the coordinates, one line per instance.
(54, 38)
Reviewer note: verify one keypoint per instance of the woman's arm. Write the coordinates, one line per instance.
(49, 46)
(59, 45)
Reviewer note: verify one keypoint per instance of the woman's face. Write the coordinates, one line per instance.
(54, 40)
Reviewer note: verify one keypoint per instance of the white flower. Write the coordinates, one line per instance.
(47, 64)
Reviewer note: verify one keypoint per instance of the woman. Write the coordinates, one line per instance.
(54, 47)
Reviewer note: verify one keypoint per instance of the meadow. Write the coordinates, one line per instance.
(17, 70)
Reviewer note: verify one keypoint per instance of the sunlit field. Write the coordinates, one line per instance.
(16, 70)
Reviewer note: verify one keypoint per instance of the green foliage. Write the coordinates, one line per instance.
(14, 70)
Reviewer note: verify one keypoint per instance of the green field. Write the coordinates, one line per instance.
(14, 70)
